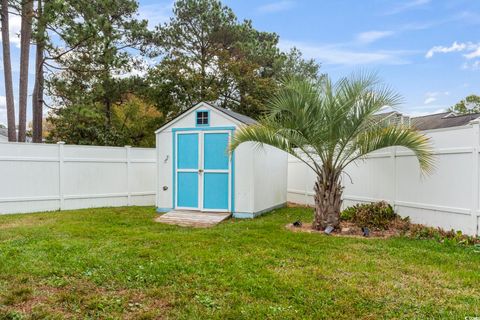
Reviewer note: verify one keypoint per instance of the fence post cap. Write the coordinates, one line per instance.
(61, 142)
(127, 146)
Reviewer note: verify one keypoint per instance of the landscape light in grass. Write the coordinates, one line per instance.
(329, 229)
(366, 231)
(297, 224)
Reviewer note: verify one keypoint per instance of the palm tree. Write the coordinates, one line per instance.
(330, 125)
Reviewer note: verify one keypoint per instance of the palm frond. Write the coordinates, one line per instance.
(260, 134)
(333, 124)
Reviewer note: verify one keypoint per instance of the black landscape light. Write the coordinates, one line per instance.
(297, 224)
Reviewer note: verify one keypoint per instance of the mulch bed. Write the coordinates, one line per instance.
(349, 229)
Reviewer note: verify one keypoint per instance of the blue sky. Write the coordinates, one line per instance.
(428, 50)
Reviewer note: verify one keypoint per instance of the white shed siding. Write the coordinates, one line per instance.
(270, 178)
(244, 179)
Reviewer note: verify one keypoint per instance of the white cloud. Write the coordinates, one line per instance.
(372, 36)
(276, 6)
(155, 13)
(407, 5)
(341, 55)
(473, 54)
(475, 65)
(473, 49)
(431, 97)
(455, 47)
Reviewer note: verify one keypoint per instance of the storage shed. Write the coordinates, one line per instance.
(195, 171)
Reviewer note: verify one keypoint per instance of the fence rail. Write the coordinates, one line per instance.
(44, 177)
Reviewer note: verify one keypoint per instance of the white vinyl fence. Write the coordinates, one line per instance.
(448, 198)
(43, 177)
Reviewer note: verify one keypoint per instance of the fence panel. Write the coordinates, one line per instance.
(44, 177)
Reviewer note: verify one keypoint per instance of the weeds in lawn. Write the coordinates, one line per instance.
(16, 295)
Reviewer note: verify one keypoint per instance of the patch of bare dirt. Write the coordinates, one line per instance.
(32, 221)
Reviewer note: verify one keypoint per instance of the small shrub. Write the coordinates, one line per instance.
(378, 215)
(419, 231)
(348, 214)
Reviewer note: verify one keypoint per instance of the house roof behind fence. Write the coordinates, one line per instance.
(442, 120)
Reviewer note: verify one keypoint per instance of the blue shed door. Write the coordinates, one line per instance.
(203, 171)
(187, 170)
(216, 175)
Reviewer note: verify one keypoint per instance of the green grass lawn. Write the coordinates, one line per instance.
(117, 263)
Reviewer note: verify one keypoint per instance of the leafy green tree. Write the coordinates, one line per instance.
(133, 123)
(292, 64)
(99, 48)
(328, 126)
(471, 104)
(78, 124)
(136, 120)
(208, 55)
(205, 54)
(188, 44)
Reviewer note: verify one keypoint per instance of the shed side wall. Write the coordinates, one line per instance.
(270, 178)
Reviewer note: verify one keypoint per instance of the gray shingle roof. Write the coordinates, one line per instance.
(240, 117)
(442, 120)
(4, 132)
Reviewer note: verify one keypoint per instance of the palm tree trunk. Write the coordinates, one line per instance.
(25, 37)
(7, 70)
(328, 200)
(37, 97)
